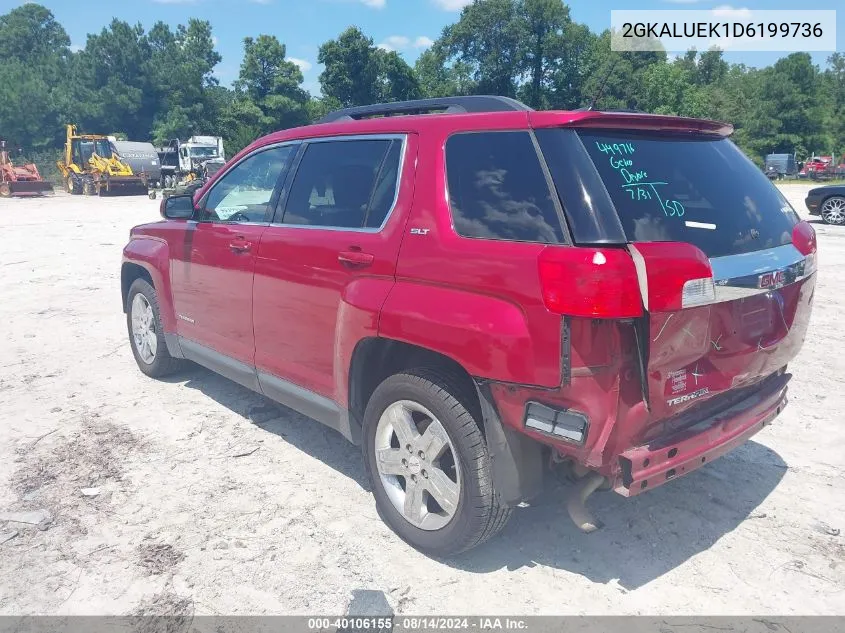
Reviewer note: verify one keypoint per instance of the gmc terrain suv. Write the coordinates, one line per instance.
(473, 291)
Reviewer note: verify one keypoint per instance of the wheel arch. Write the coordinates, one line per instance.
(148, 258)
(129, 272)
(516, 459)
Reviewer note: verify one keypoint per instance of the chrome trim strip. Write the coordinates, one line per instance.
(739, 276)
(755, 263)
(357, 137)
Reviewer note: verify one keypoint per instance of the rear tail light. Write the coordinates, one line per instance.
(598, 283)
(673, 275)
(804, 239)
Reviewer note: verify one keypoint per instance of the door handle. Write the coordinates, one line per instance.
(355, 259)
(240, 245)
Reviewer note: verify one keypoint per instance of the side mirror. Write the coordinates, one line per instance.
(177, 207)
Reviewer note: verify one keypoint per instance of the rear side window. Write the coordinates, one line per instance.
(497, 189)
(345, 184)
(703, 191)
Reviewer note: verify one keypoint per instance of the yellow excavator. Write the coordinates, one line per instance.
(90, 166)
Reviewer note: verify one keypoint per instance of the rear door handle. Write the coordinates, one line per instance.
(240, 245)
(355, 259)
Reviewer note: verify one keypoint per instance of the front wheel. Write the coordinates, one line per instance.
(428, 461)
(146, 335)
(72, 186)
(833, 210)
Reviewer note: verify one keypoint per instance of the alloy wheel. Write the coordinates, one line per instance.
(833, 210)
(418, 465)
(143, 329)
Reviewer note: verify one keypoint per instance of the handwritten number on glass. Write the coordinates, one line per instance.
(635, 181)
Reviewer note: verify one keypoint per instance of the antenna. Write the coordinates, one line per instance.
(603, 82)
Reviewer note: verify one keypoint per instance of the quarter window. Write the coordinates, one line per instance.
(497, 189)
(244, 193)
(345, 184)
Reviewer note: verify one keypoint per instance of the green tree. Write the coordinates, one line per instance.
(489, 38)
(352, 69)
(439, 78)
(358, 73)
(33, 62)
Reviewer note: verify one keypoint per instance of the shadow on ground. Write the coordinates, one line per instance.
(643, 538)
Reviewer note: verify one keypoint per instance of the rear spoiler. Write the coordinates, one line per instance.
(629, 121)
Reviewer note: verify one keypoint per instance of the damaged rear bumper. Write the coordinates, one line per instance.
(645, 467)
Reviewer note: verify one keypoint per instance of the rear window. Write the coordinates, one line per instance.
(497, 189)
(703, 191)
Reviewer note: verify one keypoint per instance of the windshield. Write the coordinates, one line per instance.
(202, 152)
(87, 148)
(703, 191)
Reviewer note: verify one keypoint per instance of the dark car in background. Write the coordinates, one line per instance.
(828, 203)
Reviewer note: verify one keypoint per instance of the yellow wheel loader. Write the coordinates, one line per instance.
(90, 166)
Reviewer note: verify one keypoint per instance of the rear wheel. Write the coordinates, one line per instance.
(429, 464)
(146, 335)
(5, 190)
(833, 210)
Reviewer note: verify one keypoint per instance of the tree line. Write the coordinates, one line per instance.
(159, 84)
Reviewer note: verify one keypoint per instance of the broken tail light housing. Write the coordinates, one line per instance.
(673, 275)
(599, 283)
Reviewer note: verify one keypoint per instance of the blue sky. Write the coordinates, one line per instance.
(407, 26)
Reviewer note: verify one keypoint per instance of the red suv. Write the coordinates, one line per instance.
(473, 291)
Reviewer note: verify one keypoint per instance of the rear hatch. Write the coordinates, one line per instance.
(723, 263)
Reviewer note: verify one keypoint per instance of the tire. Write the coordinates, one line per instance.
(5, 190)
(160, 363)
(72, 186)
(833, 210)
(477, 515)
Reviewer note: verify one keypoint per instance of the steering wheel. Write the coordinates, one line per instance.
(238, 216)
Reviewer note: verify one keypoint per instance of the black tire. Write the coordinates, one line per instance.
(163, 363)
(72, 185)
(479, 515)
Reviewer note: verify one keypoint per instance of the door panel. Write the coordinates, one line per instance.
(214, 300)
(307, 272)
(213, 273)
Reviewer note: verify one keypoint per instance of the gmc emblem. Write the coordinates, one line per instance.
(774, 279)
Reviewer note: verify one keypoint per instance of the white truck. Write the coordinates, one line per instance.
(197, 158)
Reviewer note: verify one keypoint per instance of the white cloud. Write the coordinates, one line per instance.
(394, 43)
(452, 5)
(400, 42)
(75, 48)
(261, 1)
(214, 40)
(374, 4)
(727, 11)
(304, 64)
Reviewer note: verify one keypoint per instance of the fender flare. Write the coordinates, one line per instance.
(152, 254)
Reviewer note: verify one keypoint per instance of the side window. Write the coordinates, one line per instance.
(497, 189)
(243, 194)
(387, 184)
(340, 184)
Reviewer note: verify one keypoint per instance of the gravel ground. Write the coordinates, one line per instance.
(167, 497)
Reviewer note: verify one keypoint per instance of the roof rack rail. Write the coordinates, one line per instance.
(448, 105)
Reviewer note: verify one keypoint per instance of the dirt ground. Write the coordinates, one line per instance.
(167, 497)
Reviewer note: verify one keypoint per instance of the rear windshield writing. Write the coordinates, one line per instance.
(698, 190)
(637, 184)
